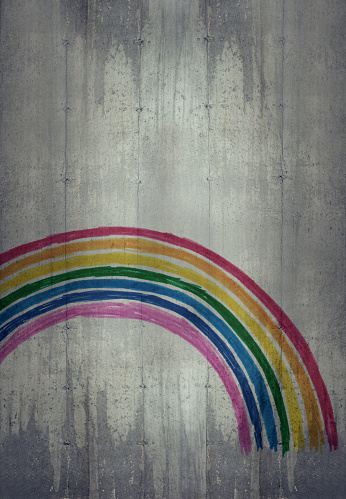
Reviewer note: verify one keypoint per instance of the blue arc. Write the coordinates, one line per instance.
(252, 370)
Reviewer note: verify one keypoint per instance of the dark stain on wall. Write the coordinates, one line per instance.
(103, 24)
(230, 22)
(119, 466)
(26, 470)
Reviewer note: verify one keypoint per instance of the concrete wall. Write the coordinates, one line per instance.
(217, 120)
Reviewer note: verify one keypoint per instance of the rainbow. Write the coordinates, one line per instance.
(260, 356)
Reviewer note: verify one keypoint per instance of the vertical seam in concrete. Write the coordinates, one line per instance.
(139, 43)
(282, 179)
(65, 180)
(207, 6)
(282, 176)
(208, 122)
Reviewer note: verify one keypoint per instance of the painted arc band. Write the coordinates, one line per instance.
(284, 322)
(176, 325)
(204, 328)
(224, 329)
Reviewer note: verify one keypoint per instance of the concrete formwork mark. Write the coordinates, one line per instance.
(129, 130)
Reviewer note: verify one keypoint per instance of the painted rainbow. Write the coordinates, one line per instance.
(260, 356)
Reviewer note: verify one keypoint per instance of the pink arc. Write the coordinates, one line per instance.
(148, 313)
(282, 319)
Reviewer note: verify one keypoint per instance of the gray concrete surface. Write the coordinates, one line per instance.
(218, 120)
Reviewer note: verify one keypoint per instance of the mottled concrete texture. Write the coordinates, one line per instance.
(217, 120)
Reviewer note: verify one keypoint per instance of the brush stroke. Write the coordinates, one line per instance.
(85, 260)
(176, 325)
(228, 334)
(205, 329)
(33, 327)
(251, 368)
(313, 419)
(285, 324)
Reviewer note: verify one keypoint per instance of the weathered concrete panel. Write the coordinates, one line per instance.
(220, 121)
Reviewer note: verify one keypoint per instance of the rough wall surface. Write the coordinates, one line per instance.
(216, 120)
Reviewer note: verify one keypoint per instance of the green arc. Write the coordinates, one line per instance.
(223, 311)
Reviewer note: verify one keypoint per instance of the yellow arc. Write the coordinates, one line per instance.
(146, 246)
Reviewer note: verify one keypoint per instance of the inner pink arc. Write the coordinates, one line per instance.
(133, 310)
